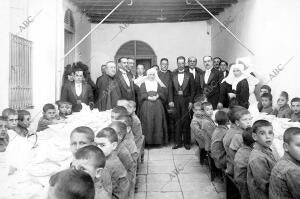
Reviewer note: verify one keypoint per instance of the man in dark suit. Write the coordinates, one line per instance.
(197, 76)
(212, 79)
(165, 76)
(78, 92)
(216, 62)
(124, 79)
(224, 69)
(183, 95)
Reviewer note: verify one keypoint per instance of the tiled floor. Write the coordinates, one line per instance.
(175, 174)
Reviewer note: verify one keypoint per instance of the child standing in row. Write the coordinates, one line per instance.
(218, 152)
(261, 161)
(92, 160)
(241, 160)
(107, 141)
(285, 176)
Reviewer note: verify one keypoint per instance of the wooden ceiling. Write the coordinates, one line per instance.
(150, 11)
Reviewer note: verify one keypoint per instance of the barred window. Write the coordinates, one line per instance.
(20, 73)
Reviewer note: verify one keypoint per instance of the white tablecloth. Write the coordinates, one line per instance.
(52, 154)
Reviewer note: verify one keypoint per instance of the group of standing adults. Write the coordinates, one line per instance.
(163, 96)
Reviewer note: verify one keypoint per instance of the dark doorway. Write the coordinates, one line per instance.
(146, 62)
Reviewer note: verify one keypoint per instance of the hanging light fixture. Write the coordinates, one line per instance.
(161, 18)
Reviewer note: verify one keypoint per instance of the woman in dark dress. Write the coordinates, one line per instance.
(152, 114)
(239, 94)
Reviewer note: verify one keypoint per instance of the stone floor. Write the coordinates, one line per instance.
(175, 174)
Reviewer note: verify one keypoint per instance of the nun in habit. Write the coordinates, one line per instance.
(152, 113)
(237, 78)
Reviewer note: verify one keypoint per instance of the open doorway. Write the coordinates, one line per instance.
(140, 51)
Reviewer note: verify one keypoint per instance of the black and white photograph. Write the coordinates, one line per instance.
(150, 99)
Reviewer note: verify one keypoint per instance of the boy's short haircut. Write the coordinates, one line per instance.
(22, 113)
(260, 123)
(127, 120)
(285, 95)
(266, 87)
(236, 112)
(120, 110)
(71, 183)
(47, 107)
(221, 118)
(296, 99)
(93, 153)
(289, 133)
(201, 98)
(205, 104)
(267, 95)
(119, 127)
(164, 59)
(132, 103)
(2, 118)
(87, 131)
(108, 133)
(247, 137)
(8, 111)
(60, 103)
(197, 104)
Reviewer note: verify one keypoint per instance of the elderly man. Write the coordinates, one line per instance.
(212, 79)
(182, 99)
(107, 88)
(216, 62)
(197, 75)
(125, 81)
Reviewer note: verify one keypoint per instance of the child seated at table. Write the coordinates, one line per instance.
(107, 141)
(4, 138)
(69, 109)
(48, 118)
(241, 159)
(295, 103)
(92, 160)
(80, 137)
(263, 89)
(218, 152)
(24, 122)
(285, 176)
(266, 101)
(235, 114)
(124, 154)
(261, 161)
(71, 183)
(63, 109)
(283, 110)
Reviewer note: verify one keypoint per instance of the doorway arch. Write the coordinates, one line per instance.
(140, 51)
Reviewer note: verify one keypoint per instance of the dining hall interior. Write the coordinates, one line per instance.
(40, 38)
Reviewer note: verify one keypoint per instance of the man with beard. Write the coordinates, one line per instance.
(183, 95)
(216, 62)
(107, 88)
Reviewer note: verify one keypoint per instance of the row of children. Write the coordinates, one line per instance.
(111, 157)
(245, 152)
(282, 110)
(16, 123)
